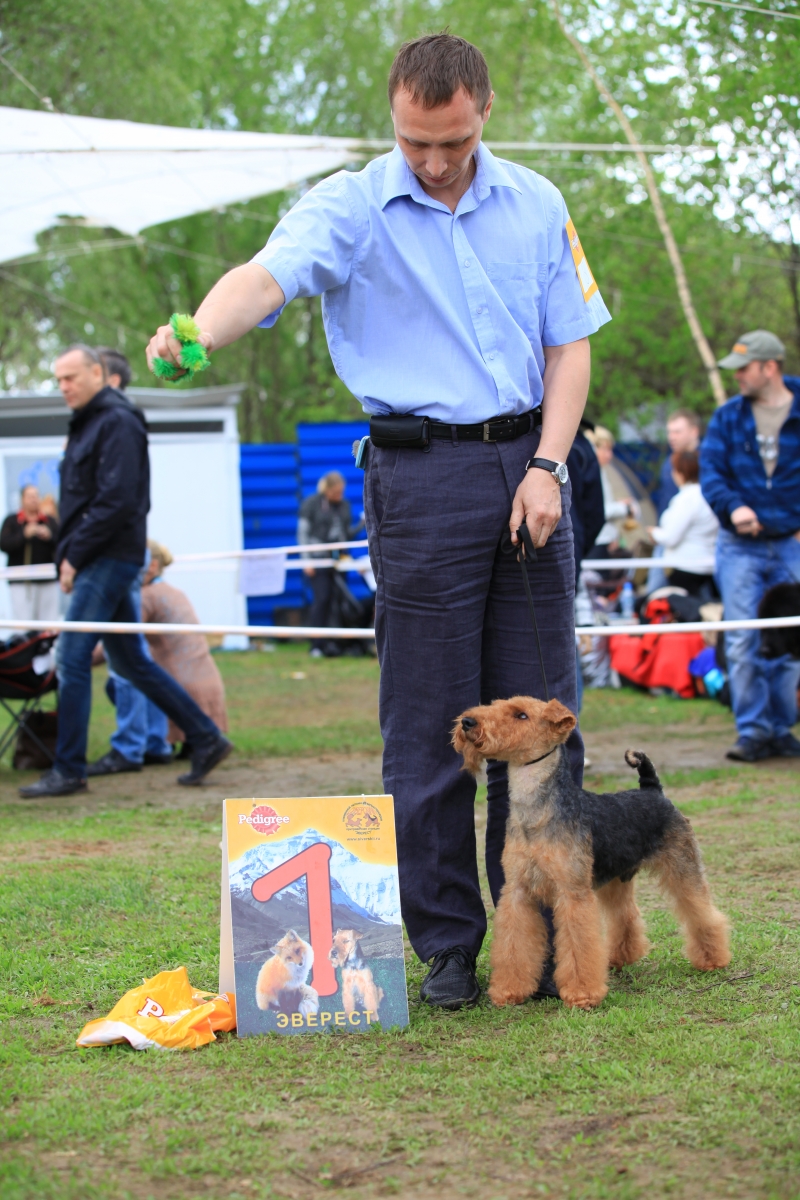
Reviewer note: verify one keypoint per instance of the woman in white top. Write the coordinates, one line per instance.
(688, 529)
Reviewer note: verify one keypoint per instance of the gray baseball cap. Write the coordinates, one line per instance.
(758, 346)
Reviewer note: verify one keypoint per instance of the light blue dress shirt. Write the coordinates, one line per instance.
(431, 312)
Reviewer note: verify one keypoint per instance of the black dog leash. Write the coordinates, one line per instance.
(526, 551)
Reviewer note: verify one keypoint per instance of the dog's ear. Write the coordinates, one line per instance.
(560, 719)
(357, 935)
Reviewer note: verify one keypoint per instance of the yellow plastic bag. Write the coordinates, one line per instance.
(165, 1012)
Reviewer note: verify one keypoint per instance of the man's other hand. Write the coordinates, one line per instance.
(746, 522)
(165, 345)
(538, 502)
(66, 576)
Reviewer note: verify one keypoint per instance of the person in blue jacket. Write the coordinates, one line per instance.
(750, 475)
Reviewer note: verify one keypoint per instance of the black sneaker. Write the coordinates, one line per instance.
(112, 763)
(746, 750)
(205, 757)
(52, 783)
(786, 746)
(547, 989)
(451, 981)
(157, 760)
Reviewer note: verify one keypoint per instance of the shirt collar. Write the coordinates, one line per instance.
(400, 180)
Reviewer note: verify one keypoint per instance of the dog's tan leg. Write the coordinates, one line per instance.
(372, 995)
(349, 1001)
(581, 956)
(627, 940)
(519, 945)
(679, 869)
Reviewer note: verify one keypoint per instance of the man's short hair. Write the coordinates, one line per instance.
(432, 68)
(90, 355)
(687, 465)
(686, 414)
(116, 364)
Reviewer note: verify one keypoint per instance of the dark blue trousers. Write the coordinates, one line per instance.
(105, 591)
(453, 629)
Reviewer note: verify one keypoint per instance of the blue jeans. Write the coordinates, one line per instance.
(763, 691)
(103, 592)
(141, 727)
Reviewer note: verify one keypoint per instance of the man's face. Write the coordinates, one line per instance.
(78, 377)
(438, 143)
(335, 494)
(752, 378)
(682, 435)
(30, 500)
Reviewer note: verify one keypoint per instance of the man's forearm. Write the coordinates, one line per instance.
(566, 386)
(237, 302)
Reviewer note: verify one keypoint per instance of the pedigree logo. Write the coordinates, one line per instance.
(263, 819)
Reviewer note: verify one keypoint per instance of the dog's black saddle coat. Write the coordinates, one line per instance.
(625, 828)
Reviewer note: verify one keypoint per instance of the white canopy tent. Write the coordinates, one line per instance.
(129, 176)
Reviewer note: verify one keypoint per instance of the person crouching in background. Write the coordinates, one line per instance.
(184, 656)
(29, 539)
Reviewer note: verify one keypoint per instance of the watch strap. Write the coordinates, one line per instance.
(544, 464)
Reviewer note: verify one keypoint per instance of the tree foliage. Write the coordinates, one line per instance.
(685, 74)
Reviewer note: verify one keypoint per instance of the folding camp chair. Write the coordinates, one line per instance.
(27, 673)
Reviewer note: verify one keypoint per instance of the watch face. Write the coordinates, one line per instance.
(561, 473)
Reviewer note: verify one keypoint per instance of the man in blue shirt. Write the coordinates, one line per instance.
(750, 475)
(457, 303)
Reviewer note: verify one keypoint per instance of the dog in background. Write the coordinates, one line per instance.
(783, 600)
(578, 853)
(281, 981)
(359, 989)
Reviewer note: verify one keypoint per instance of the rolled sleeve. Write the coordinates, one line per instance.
(568, 317)
(311, 249)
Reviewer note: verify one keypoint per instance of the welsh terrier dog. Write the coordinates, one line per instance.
(578, 853)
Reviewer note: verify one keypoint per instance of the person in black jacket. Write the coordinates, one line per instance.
(28, 537)
(105, 498)
(587, 511)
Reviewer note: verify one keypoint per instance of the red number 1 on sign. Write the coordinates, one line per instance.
(314, 863)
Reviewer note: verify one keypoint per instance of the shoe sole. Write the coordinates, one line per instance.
(42, 795)
(190, 780)
(451, 1005)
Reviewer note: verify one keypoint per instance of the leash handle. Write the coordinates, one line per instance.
(527, 551)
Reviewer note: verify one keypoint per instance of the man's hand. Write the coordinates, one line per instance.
(538, 502)
(66, 576)
(745, 521)
(165, 345)
(309, 571)
(31, 529)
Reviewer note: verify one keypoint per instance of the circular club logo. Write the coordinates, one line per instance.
(263, 819)
(362, 818)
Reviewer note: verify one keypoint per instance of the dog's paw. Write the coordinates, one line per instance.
(502, 996)
(583, 999)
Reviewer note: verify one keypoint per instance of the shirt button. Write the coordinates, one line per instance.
(467, 262)
(479, 311)
(492, 354)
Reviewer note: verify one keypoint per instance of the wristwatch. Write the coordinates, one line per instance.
(557, 470)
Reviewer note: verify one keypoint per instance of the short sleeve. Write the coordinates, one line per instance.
(311, 249)
(574, 309)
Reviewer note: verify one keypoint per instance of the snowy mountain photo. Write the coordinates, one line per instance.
(368, 890)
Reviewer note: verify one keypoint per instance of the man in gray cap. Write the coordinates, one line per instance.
(750, 475)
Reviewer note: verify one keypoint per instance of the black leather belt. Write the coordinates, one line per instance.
(415, 432)
(501, 429)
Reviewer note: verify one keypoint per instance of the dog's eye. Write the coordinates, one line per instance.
(522, 716)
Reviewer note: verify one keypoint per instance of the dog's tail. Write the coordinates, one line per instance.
(639, 761)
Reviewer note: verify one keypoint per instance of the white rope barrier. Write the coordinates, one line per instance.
(699, 566)
(288, 632)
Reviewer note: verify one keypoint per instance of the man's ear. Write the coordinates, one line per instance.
(559, 718)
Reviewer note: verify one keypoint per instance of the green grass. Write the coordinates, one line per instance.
(681, 1084)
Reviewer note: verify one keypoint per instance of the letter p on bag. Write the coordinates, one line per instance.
(150, 1008)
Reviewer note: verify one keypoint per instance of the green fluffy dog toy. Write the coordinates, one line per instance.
(192, 358)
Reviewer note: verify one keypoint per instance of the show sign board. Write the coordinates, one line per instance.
(311, 936)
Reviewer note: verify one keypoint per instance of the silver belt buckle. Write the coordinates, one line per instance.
(486, 437)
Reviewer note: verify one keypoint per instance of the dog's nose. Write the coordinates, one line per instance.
(468, 723)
